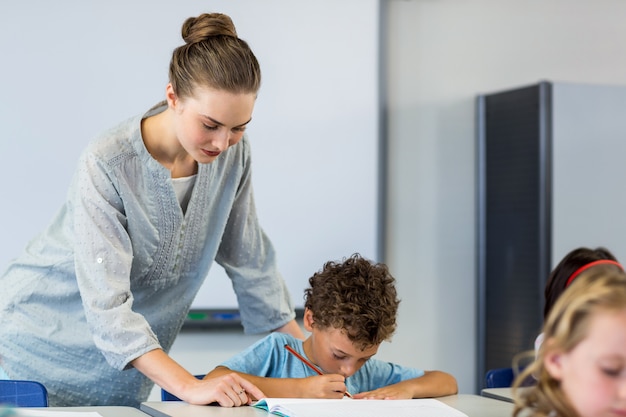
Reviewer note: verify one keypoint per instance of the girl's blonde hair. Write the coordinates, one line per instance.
(602, 288)
(214, 57)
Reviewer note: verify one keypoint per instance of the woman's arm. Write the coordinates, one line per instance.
(319, 386)
(228, 389)
(431, 384)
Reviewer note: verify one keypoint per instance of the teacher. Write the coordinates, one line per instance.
(94, 303)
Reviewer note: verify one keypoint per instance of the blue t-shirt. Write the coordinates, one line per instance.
(269, 358)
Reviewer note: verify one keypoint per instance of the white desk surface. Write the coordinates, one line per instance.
(503, 394)
(477, 406)
(472, 405)
(105, 411)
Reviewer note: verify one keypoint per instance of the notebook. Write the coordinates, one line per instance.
(346, 407)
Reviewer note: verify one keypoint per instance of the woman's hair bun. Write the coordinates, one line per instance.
(197, 29)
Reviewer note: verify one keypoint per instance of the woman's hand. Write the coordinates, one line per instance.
(230, 390)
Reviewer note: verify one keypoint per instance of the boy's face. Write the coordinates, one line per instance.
(593, 374)
(332, 351)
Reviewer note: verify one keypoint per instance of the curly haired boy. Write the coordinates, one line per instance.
(350, 309)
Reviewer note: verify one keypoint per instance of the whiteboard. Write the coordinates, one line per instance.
(71, 69)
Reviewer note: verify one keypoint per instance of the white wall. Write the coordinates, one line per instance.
(588, 149)
(72, 69)
(440, 54)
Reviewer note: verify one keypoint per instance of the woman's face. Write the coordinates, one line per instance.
(209, 122)
(593, 374)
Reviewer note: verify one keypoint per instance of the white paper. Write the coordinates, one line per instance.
(296, 407)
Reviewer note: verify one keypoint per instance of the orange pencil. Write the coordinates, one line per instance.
(310, 365)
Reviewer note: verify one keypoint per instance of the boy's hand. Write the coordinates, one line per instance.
(323, 386)
(391, 392)
(430, 385)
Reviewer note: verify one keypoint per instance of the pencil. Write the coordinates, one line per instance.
(310, 365)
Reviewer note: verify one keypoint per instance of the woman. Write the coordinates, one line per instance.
(95, 301)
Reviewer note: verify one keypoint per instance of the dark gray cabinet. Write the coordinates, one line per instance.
(551, 168)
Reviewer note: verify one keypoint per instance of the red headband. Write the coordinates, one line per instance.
(589, 265)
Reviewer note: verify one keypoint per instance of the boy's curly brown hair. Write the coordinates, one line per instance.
(357, 296)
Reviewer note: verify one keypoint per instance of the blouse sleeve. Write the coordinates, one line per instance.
(248, 257)
(103, 259)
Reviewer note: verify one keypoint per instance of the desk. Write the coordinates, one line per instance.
(477, 406)
(502, 394)
(472, 405)
(105, 411)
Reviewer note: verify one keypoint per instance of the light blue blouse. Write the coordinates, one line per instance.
(115, 273)
(269, 358)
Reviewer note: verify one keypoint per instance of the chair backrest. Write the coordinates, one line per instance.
(166, 396)
(499, 378)
(20, 393)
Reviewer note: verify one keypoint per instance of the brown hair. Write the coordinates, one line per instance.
(602, 288)
(214, 57)
(563, 271)
(357, 296)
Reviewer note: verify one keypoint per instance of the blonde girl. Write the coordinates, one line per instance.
(581, 366)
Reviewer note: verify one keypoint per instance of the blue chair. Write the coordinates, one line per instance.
(166, 396)
(499, 378)
(20, 393)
